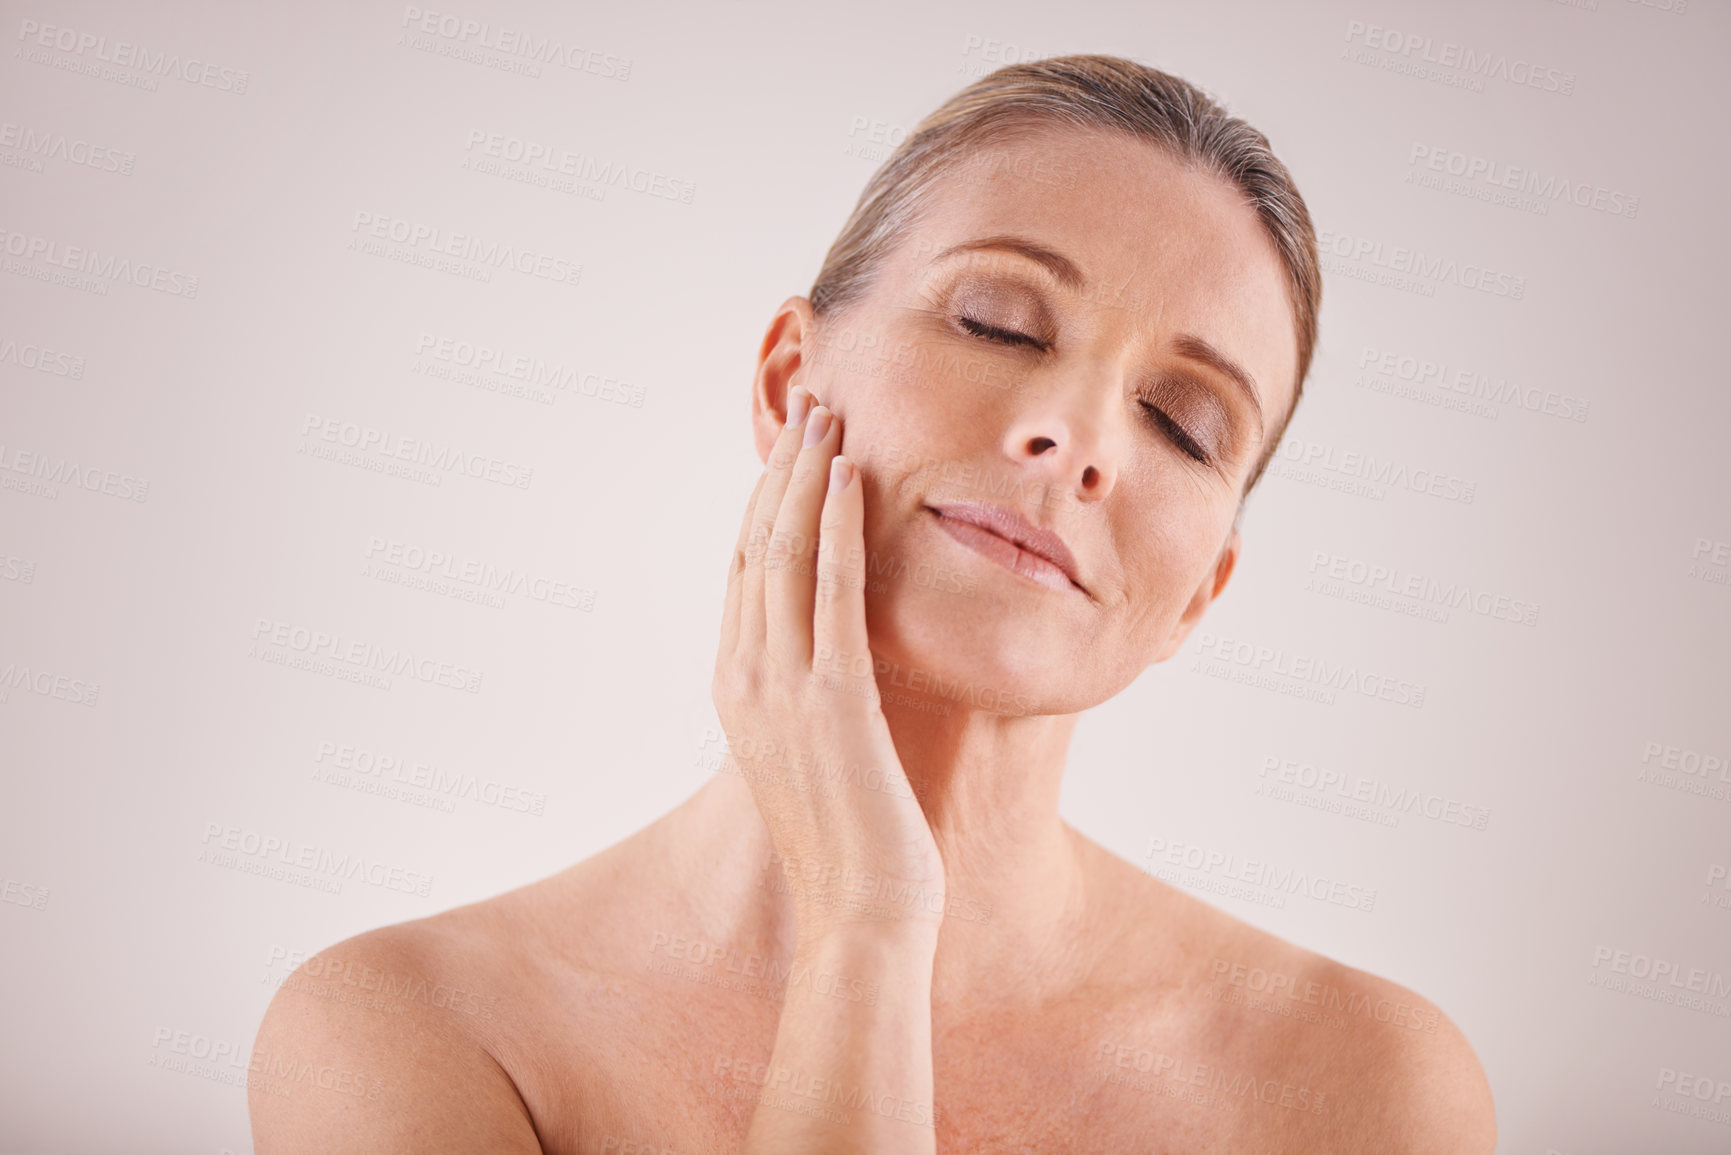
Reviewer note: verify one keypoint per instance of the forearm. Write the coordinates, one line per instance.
(852, 1065)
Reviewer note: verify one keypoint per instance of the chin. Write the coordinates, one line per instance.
(983, 650)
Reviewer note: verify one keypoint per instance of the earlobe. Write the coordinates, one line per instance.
(1211, 588)
(1227, 563)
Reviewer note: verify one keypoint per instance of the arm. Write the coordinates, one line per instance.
(1404, 1091)
(1448, 1104)
(329, 1075)
(847, 1076)
(795, 691)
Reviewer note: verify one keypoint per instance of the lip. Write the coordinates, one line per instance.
(1042, 555)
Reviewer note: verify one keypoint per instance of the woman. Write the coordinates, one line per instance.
(1059, 339)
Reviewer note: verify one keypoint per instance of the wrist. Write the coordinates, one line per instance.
(874, 944)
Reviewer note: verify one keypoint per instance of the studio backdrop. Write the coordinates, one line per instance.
(374, 393)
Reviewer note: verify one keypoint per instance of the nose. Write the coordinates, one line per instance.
(1068, 437)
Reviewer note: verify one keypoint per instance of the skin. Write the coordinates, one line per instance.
(1058, 998)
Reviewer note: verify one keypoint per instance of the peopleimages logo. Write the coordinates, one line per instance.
(1176, 857)
(94, 263)
(535, 372)
(465, 246)
(362, 656)
(16, 677)
(126, 55)
(418, 451)
(402, 562)
(1545, 187)
(48, 472)
(23, 894)
(1303, 668)
(579, 166)
(253, 852)
(1392, 580)
(1292, 988)
(48, 144)
(1470, 383)
(1422, 270)
(1368, 471)
(517, 42)
(1459, 58)
(40, 359)
(366, 770)
(1702, 1087)
(1697, 980)
(1308, 777)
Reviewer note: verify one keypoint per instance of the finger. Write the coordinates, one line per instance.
(775, 474)
(790, 573)
(735, 567)
(839, 619)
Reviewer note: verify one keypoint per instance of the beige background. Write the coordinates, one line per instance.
(142, 730)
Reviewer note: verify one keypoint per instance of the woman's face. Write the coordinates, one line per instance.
(1073, 331)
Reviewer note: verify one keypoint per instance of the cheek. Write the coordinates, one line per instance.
(1170, 552)
(895, 422)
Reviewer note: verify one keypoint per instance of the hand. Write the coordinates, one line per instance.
(797, 695)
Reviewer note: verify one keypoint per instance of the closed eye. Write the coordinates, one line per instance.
(1176, 432)
(1157, 416)
(994, 333)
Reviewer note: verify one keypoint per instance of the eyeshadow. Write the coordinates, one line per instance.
(1002, 301)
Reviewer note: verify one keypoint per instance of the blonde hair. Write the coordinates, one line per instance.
(1089, 91)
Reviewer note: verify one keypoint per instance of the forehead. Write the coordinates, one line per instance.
(1165, 248)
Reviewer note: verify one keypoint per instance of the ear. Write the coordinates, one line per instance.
(779, 361)
(1204, 596)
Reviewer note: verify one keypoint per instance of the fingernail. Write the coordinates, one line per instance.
(817, 427)
(840, 473)
(798, 404)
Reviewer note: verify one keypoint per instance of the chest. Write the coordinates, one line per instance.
(664, 1072)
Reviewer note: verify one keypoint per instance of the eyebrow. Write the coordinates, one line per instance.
(1186, 345)
(1056, 263)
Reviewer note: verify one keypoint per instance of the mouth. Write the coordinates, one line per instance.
(1006, 537)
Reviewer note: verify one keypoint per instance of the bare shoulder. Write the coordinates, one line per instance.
(381, 1043)
(1326, 1056)
(1414, 1082)
(495, 1026)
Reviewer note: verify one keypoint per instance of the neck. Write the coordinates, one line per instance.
(988, 785)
